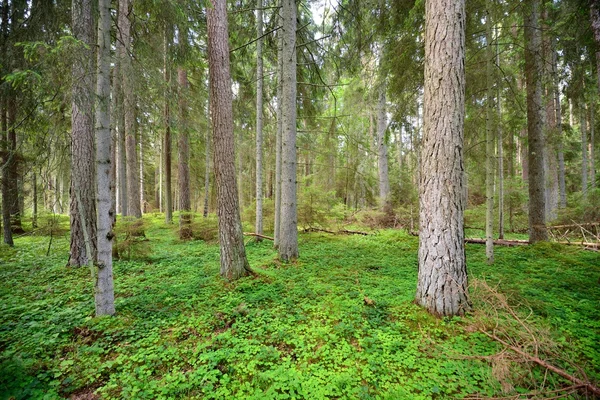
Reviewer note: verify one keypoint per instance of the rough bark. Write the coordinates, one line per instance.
(185, 204)
(442, 280)
(489, 145)
(288, 239)
(535, 123)
(382, 160)
(127, 79)
(233, 254)
(104, 289)
(167, 138)
(82, 139)
(259, 122)
(119, 103)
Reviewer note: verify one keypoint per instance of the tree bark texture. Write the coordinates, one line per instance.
(552, 139)
(382, 160)
(5, 160)
(233, 254)
(185, 204)
(442, 280)
(535, 123)
(288, 235)
(104, 289)
(127, 79)
(83, 173)
(207, 159)
(489, 144)
(259, 122)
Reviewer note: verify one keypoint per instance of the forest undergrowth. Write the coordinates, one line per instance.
(338, 323)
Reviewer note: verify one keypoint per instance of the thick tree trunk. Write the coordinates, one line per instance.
(382, 160)
(233, 254)
(259, 122)
(288, 239)
(489, 145)
(167, 138)
(83, 190)
(442, 284)
(104, 289)
(535, 123)
(185, 204)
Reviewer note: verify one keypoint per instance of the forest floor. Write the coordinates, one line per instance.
(338, 323)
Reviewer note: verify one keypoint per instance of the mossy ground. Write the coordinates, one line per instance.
(298, 330)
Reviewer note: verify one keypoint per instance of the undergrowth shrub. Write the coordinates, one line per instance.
(206, 228)
(316, 206)
(249, 215)
(130, 241)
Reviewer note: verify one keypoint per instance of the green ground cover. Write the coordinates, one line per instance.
(299, 330)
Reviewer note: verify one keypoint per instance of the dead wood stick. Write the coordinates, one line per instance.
(500, 242)
(587, 385)
(258, 235)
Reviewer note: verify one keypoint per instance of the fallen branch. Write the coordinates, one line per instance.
(579, 382)
(340, 232)
(500, 242)
(258, 235)
(573, 225)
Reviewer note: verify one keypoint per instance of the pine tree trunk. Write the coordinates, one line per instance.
(83, 174)
(535, 124)
(207, 159)
(167, 143)
(133, 185)
(233, 254)
(489, 144)
(185, 205)
(278, 137)
(288, 239)
(259, 122)
(442, 282)
(382, 161)
(584, 150)
(104, 289)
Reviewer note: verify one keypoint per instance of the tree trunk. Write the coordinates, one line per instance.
(185, 205)
(382, 161)
(561, 157)
(259, 122)
(592, 146)
(288, 239)
(584, 150)
(207, 159)
(104, 289)
(535, 124)
(500, 144)
(8, 238)
(167, 143)
(278, 137)
(83, 190)
(133, 185)
(489, 144)
(442, 283)
(34, 214)
(122, 54)
(233, 254)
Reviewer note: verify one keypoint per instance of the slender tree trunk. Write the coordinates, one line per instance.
(592, 146)
(104, 289)
(535, 123)
(34, 213)
(500, 148)
(489, 144)
(560, 152)
(259, 122)
(442, 283)
(207, 159)
(288, 240)
(83, 190)
(382, 161)
(142, 200)
(185, 205)
(584, 150)
(278, 137)
(133, 186)
(122, 54)
(233, 254)
(8, 238)
(167, 143)
(13, 166)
